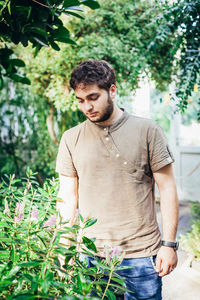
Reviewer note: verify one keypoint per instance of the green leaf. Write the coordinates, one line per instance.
(61, 32)
(73, 14)
(9, 10)
(68, 3)
(54, 45)
(17, 62)
(90, 222)
(30, 264)
(5, 52)
(5, 283)
(37, 49)
(38, 30)
(89, 244)
(65, 40)
(21, 79)
(81, 218)
(67, 259)
(91, 4)
(14, 256)
(110, 295)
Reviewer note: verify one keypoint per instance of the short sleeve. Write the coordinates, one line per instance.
(160, 154)
(64, 163)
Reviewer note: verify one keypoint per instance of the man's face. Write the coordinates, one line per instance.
(96, 104)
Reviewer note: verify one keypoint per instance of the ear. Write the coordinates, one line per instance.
(113, 91)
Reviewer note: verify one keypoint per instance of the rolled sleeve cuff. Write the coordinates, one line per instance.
(166, 161)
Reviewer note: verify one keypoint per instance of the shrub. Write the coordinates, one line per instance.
(190, 242)
(30, 231)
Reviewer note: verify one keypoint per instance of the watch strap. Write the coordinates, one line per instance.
(173, 245)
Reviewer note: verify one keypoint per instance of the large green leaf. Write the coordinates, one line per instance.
(38, 30)
(30, 264)
(21, 79)
(67, 12)
(17, 62)
(91, 4)
(61, 32)
(68, 3)
(89, 244)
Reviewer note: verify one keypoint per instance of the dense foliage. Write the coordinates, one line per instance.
(30, 245)
(24, 135)
(179, 23)
(35, 22)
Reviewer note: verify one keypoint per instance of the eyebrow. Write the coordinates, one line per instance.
(88, 96)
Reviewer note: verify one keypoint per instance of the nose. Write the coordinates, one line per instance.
(88, 106)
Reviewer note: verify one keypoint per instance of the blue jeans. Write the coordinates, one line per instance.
(141, 279)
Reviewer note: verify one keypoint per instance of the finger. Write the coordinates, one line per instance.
(158, 264)
(165, 271)
(171, 269)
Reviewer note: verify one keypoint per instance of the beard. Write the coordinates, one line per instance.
(105, 113)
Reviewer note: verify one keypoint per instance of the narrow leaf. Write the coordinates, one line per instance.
(17, 62)
(90, 223)
(89, 244)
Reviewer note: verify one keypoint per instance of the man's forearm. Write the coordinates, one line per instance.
(169, 212)
(67, 204)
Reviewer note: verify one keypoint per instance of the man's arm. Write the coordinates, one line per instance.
(68, 192)
(167, 257)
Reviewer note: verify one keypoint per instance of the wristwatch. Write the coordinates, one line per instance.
(173, 245)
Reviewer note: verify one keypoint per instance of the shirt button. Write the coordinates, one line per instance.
(117, 155)
(107, 138)
(125, 162)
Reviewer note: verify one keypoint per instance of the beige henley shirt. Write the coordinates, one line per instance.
(115, 166)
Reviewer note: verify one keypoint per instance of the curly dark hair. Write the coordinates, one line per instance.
(93, 71)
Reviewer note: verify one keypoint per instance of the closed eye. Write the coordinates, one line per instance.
(93, 98)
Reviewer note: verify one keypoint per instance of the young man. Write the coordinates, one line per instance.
(110, 163)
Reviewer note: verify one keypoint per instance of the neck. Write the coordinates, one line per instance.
(116, 114)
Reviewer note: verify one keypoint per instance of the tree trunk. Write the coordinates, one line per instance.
(50, 125)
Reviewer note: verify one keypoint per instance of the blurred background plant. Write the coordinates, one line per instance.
(190, 242)
(30, 244)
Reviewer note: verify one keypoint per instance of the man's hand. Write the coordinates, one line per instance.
(166, 261)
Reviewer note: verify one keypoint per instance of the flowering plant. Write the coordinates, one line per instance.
(30, 235)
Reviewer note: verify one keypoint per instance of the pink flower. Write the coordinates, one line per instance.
(19, 212)
(116, 252)
(50, 222)
(34, 214)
